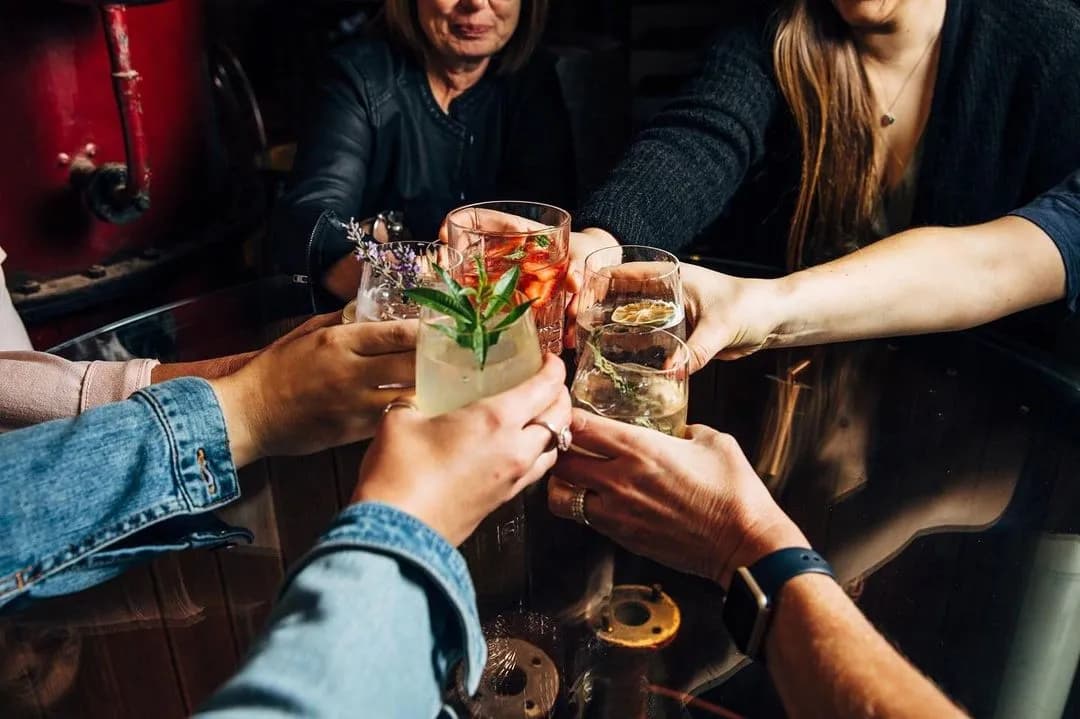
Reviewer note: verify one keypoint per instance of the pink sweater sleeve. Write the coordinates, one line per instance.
(38, 387)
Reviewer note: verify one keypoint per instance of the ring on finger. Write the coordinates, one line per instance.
(398, 404)
(560, 438)
(577, 506)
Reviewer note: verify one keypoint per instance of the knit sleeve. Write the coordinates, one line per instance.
(682, 170)
(1056, 86)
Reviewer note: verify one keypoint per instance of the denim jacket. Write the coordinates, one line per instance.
(372, 622)
(83, 499)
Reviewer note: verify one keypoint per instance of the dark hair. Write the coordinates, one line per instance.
(402, 24)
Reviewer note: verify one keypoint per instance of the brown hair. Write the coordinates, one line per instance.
(819, 72)
(402, 22)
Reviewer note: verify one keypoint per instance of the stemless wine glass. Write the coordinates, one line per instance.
(530, 235)
(633, 286)
(449, 376)
(637, 375)
(393, 267)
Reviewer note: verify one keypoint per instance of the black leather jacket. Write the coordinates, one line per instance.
(378, 141)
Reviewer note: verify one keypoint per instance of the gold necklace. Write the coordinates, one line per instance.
(888, 118)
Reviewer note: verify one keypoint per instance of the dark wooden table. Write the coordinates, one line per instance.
(937, 474)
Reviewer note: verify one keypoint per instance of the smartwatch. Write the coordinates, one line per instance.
(751, 599)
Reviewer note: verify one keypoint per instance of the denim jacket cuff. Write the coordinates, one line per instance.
(386, 529)
(194, 427)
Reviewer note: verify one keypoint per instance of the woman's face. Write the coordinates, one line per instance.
(468, 29)
(868, 14)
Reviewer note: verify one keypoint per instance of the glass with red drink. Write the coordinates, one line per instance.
(530, 235)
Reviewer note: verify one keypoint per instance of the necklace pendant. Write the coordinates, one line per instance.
(888, 119)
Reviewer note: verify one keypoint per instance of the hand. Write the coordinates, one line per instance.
(693, 504)
(728, 317)
(318, 391)
(453, 470)
(582, 244)
(222, 366)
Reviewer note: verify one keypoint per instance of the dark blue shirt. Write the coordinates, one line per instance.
(1057, 213)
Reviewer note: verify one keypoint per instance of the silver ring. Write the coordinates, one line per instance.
(560, 438)
(398, 404)
(577, 507)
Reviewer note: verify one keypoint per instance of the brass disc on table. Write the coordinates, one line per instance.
(520, 681)
(637, 617)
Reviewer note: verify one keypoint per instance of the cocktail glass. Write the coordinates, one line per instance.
(391, 268)
(449, 376)
(529, 235)
(631, 285)
(637, 375)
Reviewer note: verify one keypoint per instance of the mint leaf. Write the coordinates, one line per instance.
(503, 292)
(517, 255)
(439, 301)
(512, 316)
(542, 241)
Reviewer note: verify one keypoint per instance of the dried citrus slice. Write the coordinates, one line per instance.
(646, 313)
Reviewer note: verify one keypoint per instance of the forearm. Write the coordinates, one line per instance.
(72, 488)
(373, 620)
(925, 280)
(827, 660)
(204, 369)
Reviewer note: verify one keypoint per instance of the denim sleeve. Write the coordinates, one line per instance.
(371, 623)
(82, 498)
(1057, 213)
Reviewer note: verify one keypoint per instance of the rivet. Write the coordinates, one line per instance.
(63, 159)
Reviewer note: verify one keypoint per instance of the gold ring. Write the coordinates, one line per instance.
(398, 404)
(560, 438)
(577, 507)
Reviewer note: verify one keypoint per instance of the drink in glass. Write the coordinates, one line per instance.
(632, 286)
(448, 376)
(637, 375)
(530, 236)
(391, 268)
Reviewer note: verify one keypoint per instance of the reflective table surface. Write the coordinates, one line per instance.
(937, 474)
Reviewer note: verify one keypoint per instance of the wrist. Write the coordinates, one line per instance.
(774, 304)
(758, 539)
(240, 416)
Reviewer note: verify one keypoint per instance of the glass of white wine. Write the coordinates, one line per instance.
(637, 375)
(633, 286)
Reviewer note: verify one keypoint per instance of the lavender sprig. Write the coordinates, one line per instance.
(397, 263)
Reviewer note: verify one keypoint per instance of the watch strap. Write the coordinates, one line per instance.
(773, 571)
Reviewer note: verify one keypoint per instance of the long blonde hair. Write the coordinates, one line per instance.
(819, 72)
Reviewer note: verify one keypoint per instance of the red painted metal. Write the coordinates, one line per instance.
(60, 107)
(126, 81)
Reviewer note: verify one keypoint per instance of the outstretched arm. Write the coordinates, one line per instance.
(696, 504)
(926, 280)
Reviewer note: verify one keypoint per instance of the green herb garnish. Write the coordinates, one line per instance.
(516, 255)
(542, 241)
(472, 308)
(607, 368)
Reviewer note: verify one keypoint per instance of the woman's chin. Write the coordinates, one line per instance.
(473, 50)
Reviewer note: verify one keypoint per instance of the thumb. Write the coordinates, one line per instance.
(705, 342)
(379, 338)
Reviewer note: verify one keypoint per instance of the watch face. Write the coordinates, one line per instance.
(745, 612)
